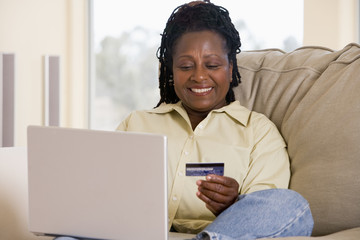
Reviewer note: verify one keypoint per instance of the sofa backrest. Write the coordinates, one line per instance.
(312, 94)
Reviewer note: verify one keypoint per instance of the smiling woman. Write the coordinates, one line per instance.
(203, 123)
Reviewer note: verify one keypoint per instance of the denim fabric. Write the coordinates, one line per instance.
(262, 214)
(267, 213)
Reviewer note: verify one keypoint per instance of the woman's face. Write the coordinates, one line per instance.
(202, 72)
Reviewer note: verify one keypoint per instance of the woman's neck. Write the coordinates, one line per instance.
(195, 116)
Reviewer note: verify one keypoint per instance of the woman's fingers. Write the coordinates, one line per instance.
(218, 192)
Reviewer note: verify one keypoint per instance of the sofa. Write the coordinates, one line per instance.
(312, 94)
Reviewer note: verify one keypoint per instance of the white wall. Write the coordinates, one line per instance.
(32, 29)
(331, 23)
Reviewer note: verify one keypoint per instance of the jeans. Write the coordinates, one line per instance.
(262, 214)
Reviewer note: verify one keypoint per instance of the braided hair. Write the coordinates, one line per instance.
(191, 17)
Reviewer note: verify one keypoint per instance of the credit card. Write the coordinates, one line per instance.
(203, 169)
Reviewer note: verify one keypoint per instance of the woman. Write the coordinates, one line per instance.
(204, 123)
(198, 113)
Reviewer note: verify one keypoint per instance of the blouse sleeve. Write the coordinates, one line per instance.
(123, 126)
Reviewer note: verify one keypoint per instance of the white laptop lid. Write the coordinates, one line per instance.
(97, 184)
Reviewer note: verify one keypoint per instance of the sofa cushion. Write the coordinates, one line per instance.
(274, 82)
(313, 96)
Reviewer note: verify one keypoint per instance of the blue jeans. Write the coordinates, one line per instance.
(262, 214)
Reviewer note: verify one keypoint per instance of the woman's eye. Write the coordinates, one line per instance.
(184, 68)
(213, 66)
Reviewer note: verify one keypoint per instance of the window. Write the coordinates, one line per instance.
(126, 38)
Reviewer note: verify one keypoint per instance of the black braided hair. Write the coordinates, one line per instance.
(192, 17)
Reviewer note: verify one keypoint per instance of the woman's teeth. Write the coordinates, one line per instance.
(201, 90)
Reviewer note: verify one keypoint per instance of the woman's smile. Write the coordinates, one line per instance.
(201, 91)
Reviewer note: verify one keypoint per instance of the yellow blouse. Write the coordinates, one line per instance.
(248, 143)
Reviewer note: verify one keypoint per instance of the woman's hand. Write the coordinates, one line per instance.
(218, 192)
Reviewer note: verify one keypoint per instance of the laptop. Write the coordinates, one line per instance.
(98, 184)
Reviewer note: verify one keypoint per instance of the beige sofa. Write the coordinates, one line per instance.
(313, 96)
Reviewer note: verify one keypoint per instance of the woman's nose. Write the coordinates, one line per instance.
(199, 74)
